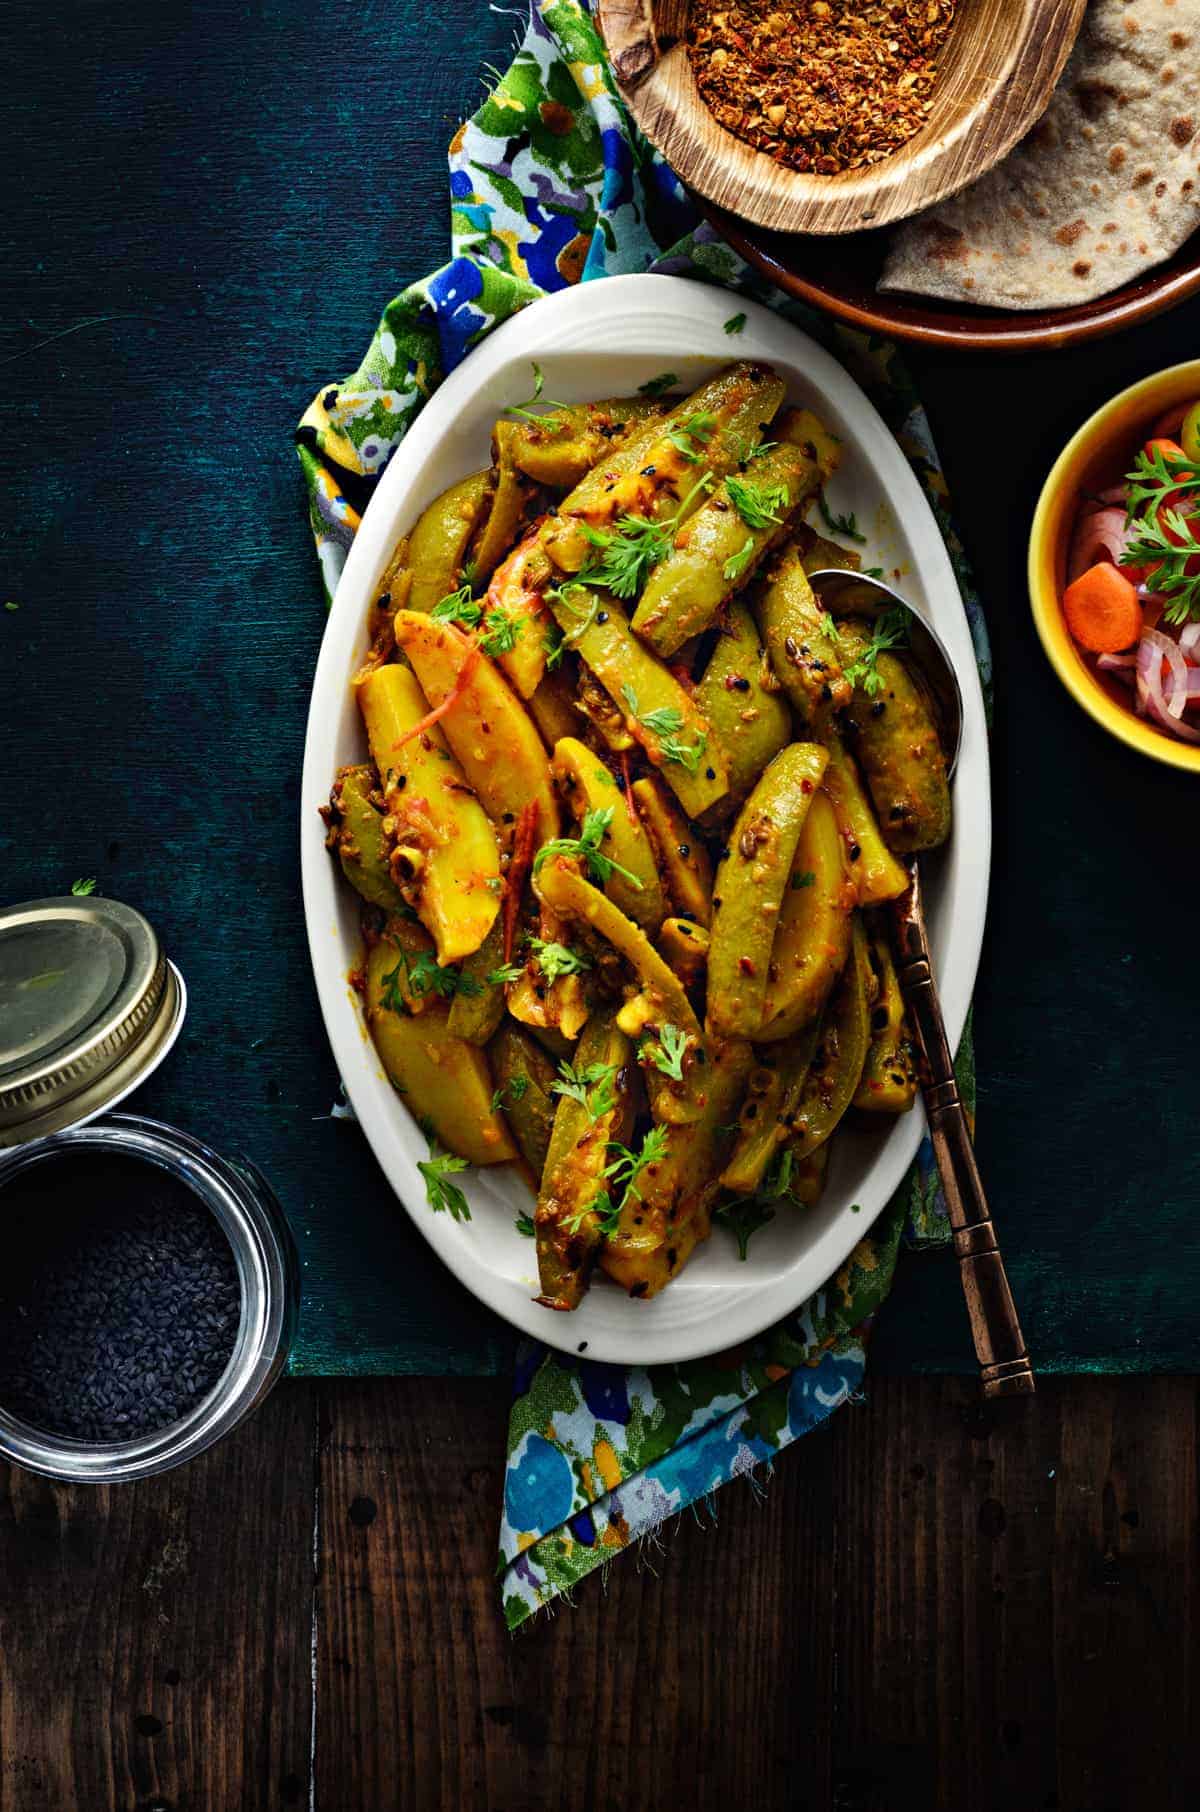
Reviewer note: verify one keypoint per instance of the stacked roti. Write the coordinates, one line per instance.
(1105, 186)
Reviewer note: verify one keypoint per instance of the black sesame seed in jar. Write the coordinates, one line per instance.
(119, 1300)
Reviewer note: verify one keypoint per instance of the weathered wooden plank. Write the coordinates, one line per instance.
(701, 1672)
(155, 1639)
(1126, 1620)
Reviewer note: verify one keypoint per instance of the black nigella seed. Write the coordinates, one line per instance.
(602, 616)
(119, 1299)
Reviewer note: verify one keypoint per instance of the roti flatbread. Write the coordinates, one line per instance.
(1105, 186)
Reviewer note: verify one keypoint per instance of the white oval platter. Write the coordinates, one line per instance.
(604, 339)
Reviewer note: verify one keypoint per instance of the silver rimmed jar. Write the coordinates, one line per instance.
(89, 1005)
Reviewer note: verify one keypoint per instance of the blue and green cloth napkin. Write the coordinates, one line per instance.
(550, 184)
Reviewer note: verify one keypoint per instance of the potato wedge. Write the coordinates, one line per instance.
(444, 857)
(488, 728)
(444, 1082)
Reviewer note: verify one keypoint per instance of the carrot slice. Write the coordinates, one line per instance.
(1170, 448)
(1102, 610)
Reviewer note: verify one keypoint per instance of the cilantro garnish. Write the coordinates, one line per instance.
(442, 1195)
(624, 1171)
(458, 607)
(82, 888)
(507, 972)
(839, 525)
(524, 1224)
(735, 324)
(425, 976)
(555, 645)
(502, 632)
(756, 504)
(514, 1088)
(628, 551)
(657, 386)
(587, 847)
(591, 1087)
(692, 437)
(804, 880)
(1162, 537)
(668, 1053)
(889, 631)
(526, 408)
(558, 959)
(737, 563)
(664, 723)
(744, 1217)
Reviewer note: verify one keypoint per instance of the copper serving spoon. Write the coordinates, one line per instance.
(1005, 1368)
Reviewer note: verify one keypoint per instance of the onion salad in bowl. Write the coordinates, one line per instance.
(1132, 598)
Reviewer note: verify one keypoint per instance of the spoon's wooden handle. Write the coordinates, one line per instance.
(630, 38)
(1005, 1367)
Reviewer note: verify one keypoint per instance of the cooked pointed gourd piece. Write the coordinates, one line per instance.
(444, 854)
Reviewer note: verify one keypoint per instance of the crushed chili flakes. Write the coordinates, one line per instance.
(820, 85)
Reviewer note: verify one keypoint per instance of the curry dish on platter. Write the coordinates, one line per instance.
(633, 807)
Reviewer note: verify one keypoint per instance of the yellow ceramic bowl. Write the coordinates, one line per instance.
(1093, 458)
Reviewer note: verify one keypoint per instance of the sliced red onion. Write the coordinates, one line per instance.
(1100, 536)
(1114, 494)
(1121, 666)
(1189, 641)
(1153, 649)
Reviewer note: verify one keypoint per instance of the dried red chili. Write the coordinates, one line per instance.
(820, 85)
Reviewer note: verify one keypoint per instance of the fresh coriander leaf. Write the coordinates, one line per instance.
(606, 1211)
(735, 324)
(592, 1087)
(84, 887)
(628, 1165)
(657, 386)
(587, 847)
(1167, 545)
(526, 408)
(502, 632)
(829, 628)
(558, 959)
(664, 723)
(756, 504)
(627, 553)
(524, 1224)
(804, 880)
(737, 563)
(555, 646)
(390, 994)
(744, 1218)
(764, 446)
(12, 605)
(888, 631)
(777, 1183)
(839, 525)
(872, 572)
(442, 1195)
(517, 1087)
(458, 607)
(668, 1053)
(507, 972)
(572, 595)
(495, 883)
(497, 1099)
(1157, 479)
(692, 438)
(426, 976)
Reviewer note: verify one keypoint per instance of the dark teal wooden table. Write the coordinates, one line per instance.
(204, 210)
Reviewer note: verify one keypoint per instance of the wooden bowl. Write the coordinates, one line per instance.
(997, 70)
(841, 277)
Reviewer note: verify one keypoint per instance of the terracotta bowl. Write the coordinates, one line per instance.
(1103, 444)
(997, 70)
(840, 276)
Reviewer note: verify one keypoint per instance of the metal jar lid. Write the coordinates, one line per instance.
(89, 1006)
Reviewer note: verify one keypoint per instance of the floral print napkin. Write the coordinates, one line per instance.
(550, 184)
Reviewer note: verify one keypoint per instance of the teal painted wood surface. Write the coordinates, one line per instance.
(205, 209)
